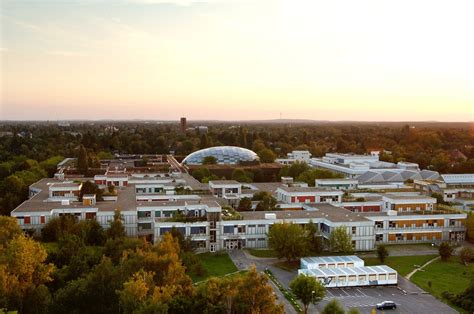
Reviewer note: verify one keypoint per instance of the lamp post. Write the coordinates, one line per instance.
(312, 297)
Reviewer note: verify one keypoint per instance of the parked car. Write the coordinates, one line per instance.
(386, 305)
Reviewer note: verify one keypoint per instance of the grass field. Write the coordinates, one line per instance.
(402, 264)
(449, 276)
(215, 264)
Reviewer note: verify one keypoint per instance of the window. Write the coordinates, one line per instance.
(340, 264)
(362, 277)
(198, 230)
(27, 220)
(350, 264)
(42, 219)
(392, 276)
(331, 265)
(354, 230)
(372, 277)
(379, 237)
(228, 229)
(382, 277)
(352, 278)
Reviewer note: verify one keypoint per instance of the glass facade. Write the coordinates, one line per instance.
(230, 155)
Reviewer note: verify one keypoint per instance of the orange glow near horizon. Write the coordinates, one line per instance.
(156, 59)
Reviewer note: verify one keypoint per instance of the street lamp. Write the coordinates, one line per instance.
(312, 296)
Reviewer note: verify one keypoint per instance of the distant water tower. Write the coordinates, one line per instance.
(183, 125)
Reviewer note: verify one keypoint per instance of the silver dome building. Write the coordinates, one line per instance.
(225, 155)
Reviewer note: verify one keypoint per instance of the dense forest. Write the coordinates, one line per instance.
(30, 151)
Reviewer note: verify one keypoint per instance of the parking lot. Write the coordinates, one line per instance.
(365, 299)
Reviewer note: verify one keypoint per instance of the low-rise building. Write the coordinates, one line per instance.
(297, 195)
(404, 203)
(338, 184)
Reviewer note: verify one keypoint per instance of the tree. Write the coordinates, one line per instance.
(267, 203)
(116, 229)
(89, 187)
(314, 238)
(209, 160)
(249, 293)
(382, 252)
(470, 227)
(309, 176)
(22, 272)
(445, 251)
(308, 290)
(255, 295)
(241, 176)
(9, 229)
(245, 204)
(333, 307)
(201, 173)
(466, 255)
(288, 240)
(82, 161)
(266, 155)
(340, 240)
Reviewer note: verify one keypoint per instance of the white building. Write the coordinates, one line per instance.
(353, 276)
(331, 262)
(295, 156)
(338, 184)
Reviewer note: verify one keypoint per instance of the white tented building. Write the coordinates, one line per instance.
(353, 276)
(331, 262)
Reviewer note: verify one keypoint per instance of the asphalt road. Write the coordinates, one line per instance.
(365, 299)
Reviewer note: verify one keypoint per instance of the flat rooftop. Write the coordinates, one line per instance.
(224, 182)
(322, 211)
(306, 189)
(331, 259)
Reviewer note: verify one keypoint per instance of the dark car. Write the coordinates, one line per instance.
(386, 305)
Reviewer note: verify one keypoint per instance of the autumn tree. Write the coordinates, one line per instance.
(308, 290)
(340, 240)
(249, 293)
(9, 229)
(288, 240)
(23, 275)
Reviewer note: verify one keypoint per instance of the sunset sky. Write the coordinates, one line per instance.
(158, 59)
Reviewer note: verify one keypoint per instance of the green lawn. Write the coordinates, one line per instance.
(262, 252)
(402, 264)
(449, 276)
(215, 264)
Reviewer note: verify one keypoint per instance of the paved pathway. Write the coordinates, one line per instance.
(423, 266)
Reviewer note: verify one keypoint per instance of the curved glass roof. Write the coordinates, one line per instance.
(229, 155)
